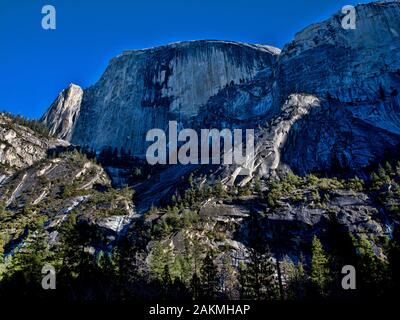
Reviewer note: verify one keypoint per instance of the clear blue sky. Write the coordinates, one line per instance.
(36, 64)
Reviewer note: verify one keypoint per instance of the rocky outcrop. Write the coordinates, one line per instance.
(20, 146)
(272, 139)
(62, 114)
(334, 138)
(290, 227)
(52, 190)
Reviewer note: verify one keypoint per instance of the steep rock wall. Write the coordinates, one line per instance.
(144, 89)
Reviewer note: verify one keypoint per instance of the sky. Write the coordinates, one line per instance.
(36, 64)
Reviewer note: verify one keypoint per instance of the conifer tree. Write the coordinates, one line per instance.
(295, 279)
(219, 190)
(160, 257)
(157, 261)
(376, 182)
(1, 248)
(319, 267)
(131, 264)
(23, 275)
(242, 280)
(187, 266)
(388, 169)
(383, 174)
(258, 277)
(371, 270)
(209, 277)
(166, 281)
(228, 278)
(257, 185)
(195, 286)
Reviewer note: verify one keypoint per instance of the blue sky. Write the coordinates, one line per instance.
(36, 64)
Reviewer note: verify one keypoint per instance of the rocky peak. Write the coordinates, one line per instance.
(144, 89)
(356, 73)
(62, 114)
(347, 65)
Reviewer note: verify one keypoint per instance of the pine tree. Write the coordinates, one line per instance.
(388, 169)
(187, 268)
(376, 182)
(394, 265)
(319, 267)
(1, 248)
(242, 279)
(219, 190)
(371, 270)
(71, 251)
(383, 174)
(160, 257)
(23, 275)
(209, 277)
(197, 251)
(258, 277)
(228, 279)
(132, 266)
(295, 279)
(166, 281)
(257, 185)
(195, 286)
(107, 275)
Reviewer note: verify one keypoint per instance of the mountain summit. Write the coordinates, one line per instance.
(144, 89)
(355, 74)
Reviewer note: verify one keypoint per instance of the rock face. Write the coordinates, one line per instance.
(243, 104)
(57, 187)
(357, 75)
(291, 227)
(144, 89)
(270, 141)
(64, 111)
(346, 65)
(354, 74)
(20, 147)
(334, 138)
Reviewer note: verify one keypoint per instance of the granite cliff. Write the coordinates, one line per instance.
(354, 73)
(144, 89)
